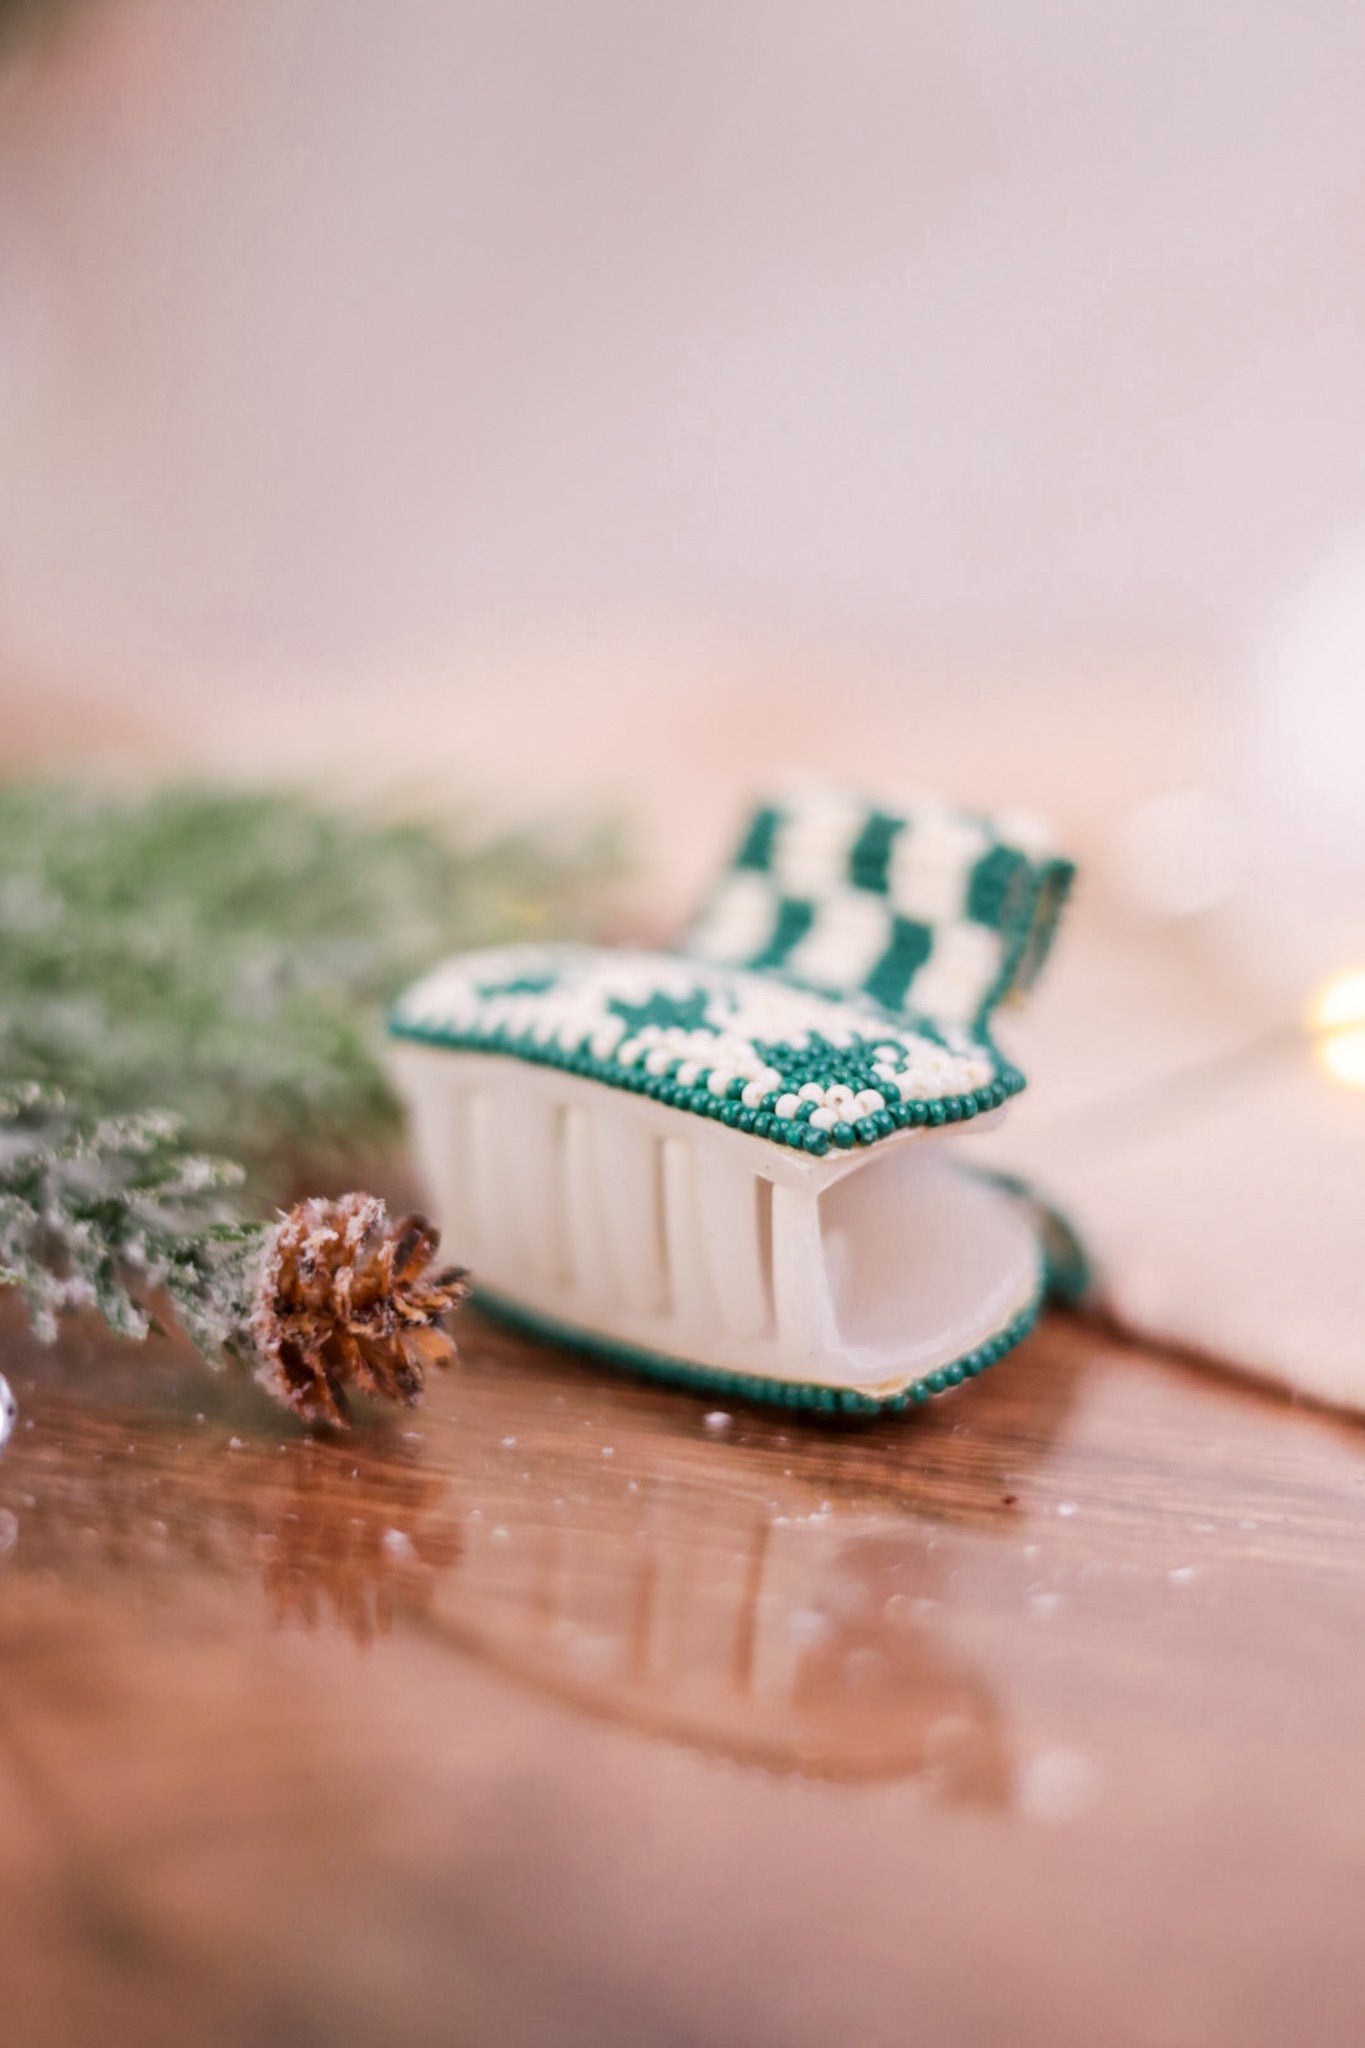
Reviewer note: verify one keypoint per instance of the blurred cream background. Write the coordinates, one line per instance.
(598, 404)
(522, 366)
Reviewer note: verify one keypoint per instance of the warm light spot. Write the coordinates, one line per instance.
(1342, 1055)
(1336, 1020)
(1340, 1001)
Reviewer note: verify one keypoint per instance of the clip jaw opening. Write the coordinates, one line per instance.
(673, 1242)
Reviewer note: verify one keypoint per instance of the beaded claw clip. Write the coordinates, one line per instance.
(731, 1165)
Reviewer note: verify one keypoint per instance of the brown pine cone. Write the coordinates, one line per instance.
(345, 1299)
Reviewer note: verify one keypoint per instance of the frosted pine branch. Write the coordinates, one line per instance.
(108, 1214)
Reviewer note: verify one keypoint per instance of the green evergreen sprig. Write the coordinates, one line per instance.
(229, 956)
(204, 973)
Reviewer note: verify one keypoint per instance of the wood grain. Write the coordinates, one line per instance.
(555, 1713)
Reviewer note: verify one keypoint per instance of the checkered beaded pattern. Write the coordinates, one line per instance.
(922, 909)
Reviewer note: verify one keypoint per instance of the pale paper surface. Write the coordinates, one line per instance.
(1216, 1173)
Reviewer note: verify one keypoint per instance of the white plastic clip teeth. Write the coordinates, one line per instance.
(705, 1165)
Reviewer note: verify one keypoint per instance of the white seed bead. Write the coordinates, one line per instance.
(688, 1073)
(824, 1119)
(787, 1105)
(719, 1079)
(753, 1094)
(867, 1102)
(811, 1092)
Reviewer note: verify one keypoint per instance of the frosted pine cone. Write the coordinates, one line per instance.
(346, 1299)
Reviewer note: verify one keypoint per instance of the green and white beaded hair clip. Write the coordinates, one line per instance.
(734, 1164)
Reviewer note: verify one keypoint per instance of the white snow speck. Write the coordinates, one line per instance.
(807, 1626)
(509, 1443)
(1181, 1574)
(235, 1444)
(1045, 1604)
(499, 1535)
(1058, 1785)
(1066, 1507)
(717, 1420)
(397, 1544)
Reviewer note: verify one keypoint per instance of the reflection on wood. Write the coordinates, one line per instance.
(792, 1634)
(677, 1727)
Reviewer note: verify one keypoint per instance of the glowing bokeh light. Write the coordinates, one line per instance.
(1336, 1019)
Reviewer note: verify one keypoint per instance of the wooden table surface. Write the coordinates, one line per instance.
(565, 1711)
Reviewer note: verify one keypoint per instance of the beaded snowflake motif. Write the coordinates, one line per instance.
(782, 1062)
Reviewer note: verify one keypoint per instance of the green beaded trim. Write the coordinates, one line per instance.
(1028, 927)
(794, 1131)
(1069, 1273)
(746, 1386)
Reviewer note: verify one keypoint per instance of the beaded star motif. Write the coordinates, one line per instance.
(786, 1064)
